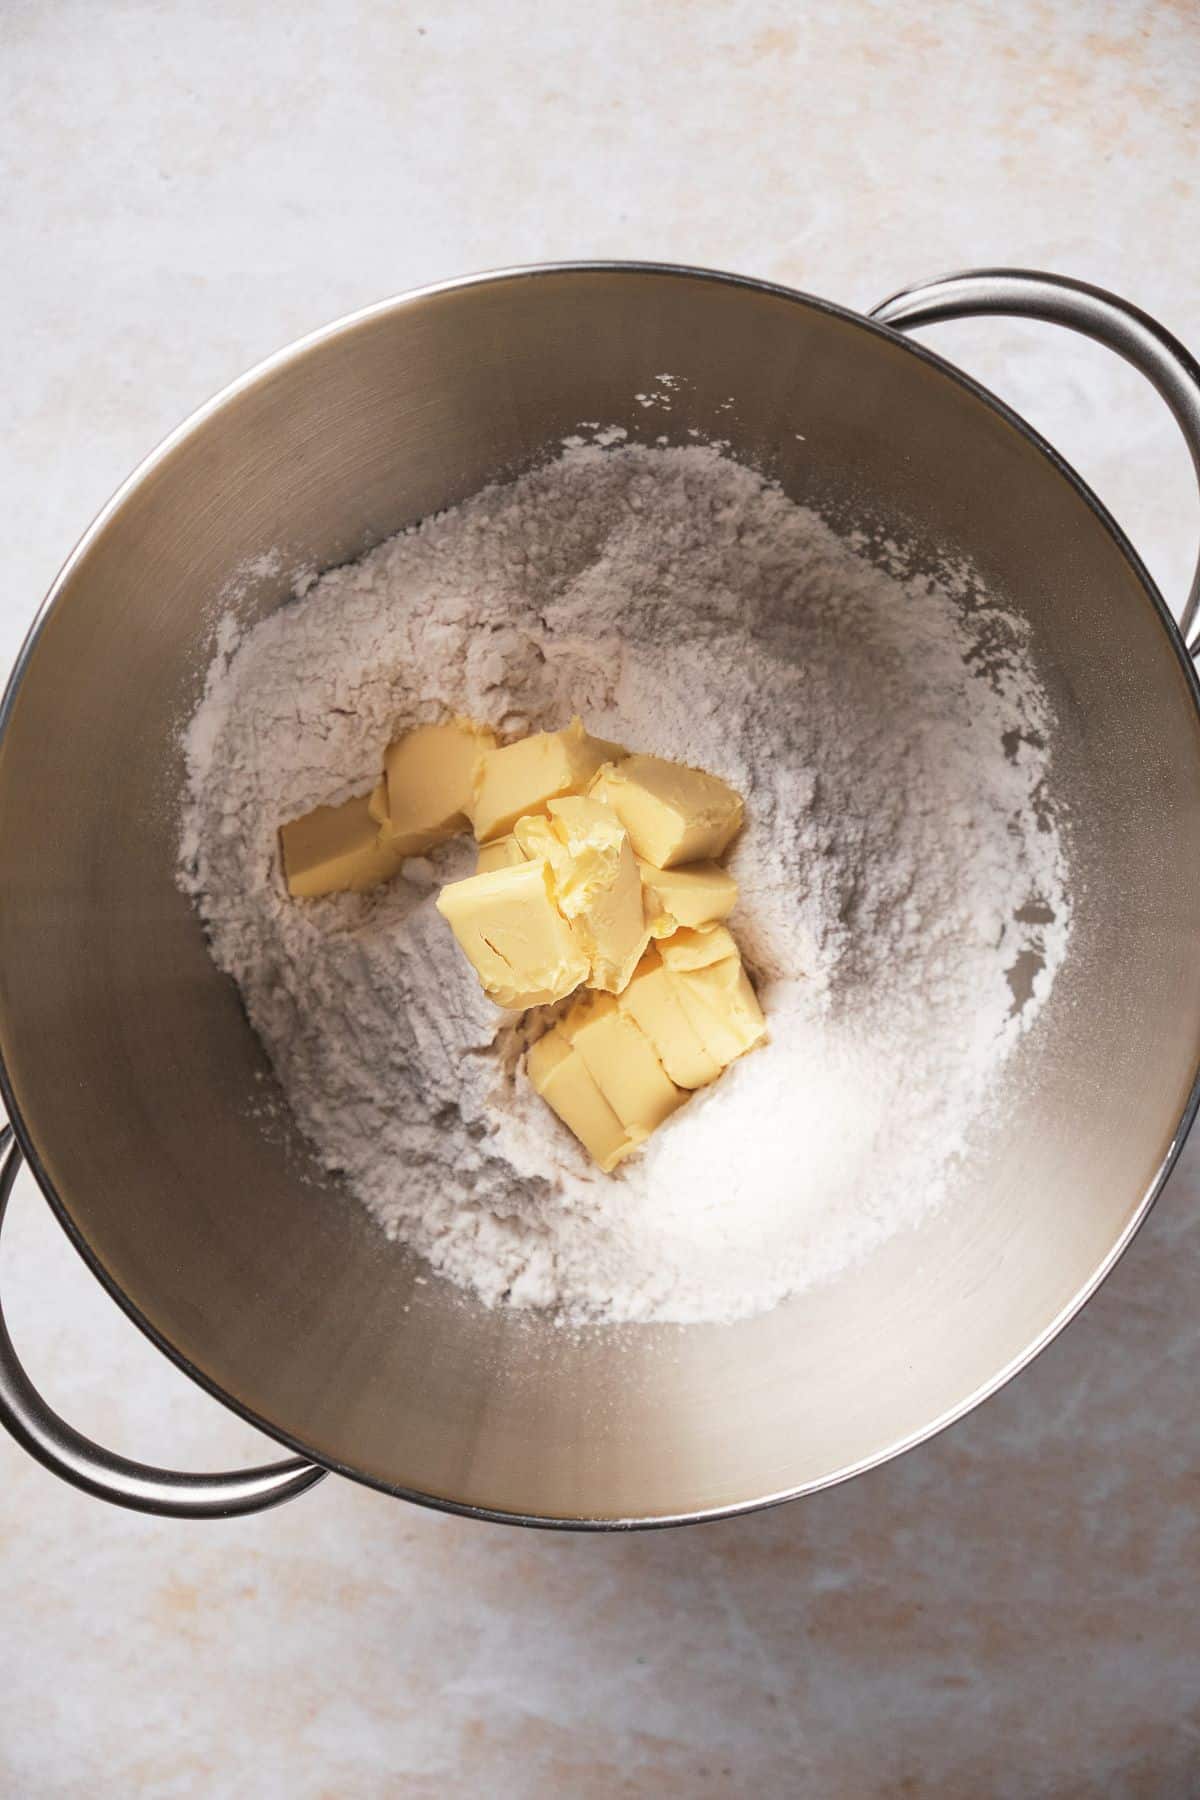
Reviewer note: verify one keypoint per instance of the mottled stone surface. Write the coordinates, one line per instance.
(1009, 1611)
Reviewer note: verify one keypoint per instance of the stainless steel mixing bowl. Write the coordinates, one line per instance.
(127, 1060)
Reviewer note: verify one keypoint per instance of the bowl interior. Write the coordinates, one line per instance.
(129, 1059)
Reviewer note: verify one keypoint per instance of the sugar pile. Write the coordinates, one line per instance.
(904, 905)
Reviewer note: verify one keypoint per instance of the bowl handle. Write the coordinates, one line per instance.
(66, 1452)
(1055, 299)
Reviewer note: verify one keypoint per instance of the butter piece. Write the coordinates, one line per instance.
(336, 849)
(522, 948)
(560, 1075)
(697, 894)
(697, 949)
(652, 1002)
(673, 814)
(523, 777)
(622, 1062)
(596, 883)
(716, 998)
(429, 783)
(501, 853)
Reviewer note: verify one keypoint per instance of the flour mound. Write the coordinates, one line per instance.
(904, 906)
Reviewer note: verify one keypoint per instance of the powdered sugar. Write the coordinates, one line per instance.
(903, 880)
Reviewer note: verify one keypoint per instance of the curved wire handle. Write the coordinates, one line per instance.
(1055, 299)
(67, 1453)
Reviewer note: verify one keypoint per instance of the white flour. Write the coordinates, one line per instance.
(898, 866)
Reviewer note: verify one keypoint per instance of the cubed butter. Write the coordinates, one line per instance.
(523, 950)
(714, 991)
(694, 1001)
(501, 853)
(560, 1075)
(652, 1002)
(336, 849)
(696, 894)
(622, 1062)
(429, 778)
(523, 777)
(724, 1008)
(596, 883)
(673, 814)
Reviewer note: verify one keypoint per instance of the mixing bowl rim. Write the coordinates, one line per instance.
(293, 354)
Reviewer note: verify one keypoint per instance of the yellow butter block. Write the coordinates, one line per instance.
(695, 894)
(652, 1002)
(721, 1006)
(429, 780)
(523, 777)
(336, 849)
(501, 853)
(697, 949)
(560, 1075)
(522, 948)
(673, 814)
(596, 883)
(622, 1062)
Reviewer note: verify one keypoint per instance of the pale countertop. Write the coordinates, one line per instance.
(1008, 1611)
